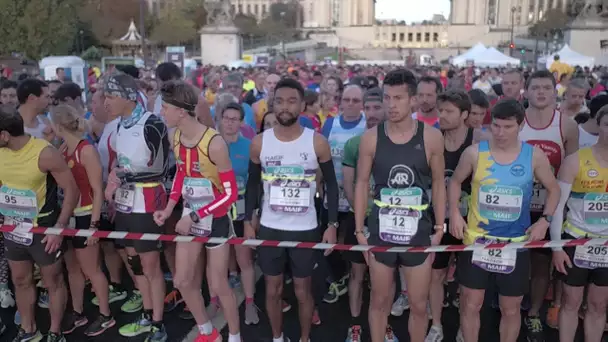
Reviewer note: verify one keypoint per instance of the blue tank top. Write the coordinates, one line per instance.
(500, 195)
(239, 156)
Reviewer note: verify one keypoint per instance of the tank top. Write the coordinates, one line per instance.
(500, 195)
(585, 139)
(289, 173)
(550, 140)
(588, 202)
(201, 182)
(239, 156)
(28, 196)
(402, 177)
(37, 132)
(107, 147)
(451, 159)
(74, 161)
(338, 136)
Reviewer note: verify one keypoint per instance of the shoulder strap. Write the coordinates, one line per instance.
(206, 165)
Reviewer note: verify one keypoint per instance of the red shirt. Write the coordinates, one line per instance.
(79, 172)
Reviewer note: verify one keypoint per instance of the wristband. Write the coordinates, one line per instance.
(94, 225)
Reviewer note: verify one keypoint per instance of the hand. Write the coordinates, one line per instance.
(436, 238)
(183, 225)
(91, 240)
(249, 231)
(457, 225)
(64, 147)
(561, 261)
(538, 230)
(329, 237)
(362, 240)
(53, 243)
(110, 190)
(160, 217)
(48, 134)
(111, 211)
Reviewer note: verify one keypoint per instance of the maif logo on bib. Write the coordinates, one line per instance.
(400, 176)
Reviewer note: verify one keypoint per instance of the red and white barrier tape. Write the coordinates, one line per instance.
(298, 244)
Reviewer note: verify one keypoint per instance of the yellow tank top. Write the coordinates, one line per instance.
(588, 202)
(260, 107)
(210, 97)
(206, 167)
(26, 191)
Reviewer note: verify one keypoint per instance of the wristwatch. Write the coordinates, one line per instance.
(194, 217)
(547, 218)
(333, 225)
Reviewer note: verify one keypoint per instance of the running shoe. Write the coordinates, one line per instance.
(43, 299)
(22, 336)
(172, 300)
(37, 275)
(54, 337)
(157, 334)
(234, 280)
(99, 326)
(113, 296)
(213, 337)
(186, 313)
(389, 336)
(140, 326)
(212, 309)
(134, 303)
(17, 319)
(168, 276)
(354, 334)
(435, 334)
(316, 319)
(332, 295)
(401, 304)
(72, 321)
(251, 314)
(535, 329)
(7, 300)
(553, 316)
(286, 306)
(459, 337)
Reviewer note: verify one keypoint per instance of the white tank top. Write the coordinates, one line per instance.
(107, 146)
(585, 139)
(289, 172)
(37, 132)
(550, 140)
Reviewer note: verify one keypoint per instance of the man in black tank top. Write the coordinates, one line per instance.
(405, 158)
(454, 109)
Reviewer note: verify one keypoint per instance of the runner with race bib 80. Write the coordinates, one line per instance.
(503, 171)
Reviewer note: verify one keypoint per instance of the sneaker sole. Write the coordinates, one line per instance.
(143, 331)
(251, 322)
(77, 325)
(97, 333)
(397, 313)
(286, 309)
(43, 305)
(132, 311)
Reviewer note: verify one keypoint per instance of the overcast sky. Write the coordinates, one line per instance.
(411, 10)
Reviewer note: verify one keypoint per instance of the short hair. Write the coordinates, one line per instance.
(578, 83)
(433, 80)
(30, 86)
(180, 94)
(70, 89)
(479, 98)
(310, 97)
(8, 84)
(222, 100)
(130, 70)
(539, 75)
(402, 76)
(54, 82)
(59, 69)
(507, 109)
(291, 84)
(236, 106)
(168, 71)
(514, 71)
(597, 103)
(11, 121)
(233, 77)
(338, 82)
(601, 113)
(458, 98)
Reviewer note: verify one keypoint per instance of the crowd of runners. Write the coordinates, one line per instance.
(368, 156)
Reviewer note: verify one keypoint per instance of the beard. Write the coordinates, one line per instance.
(286, 122)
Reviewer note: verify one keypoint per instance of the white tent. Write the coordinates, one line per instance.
(470, 54)
(495, 58)
(568, 56)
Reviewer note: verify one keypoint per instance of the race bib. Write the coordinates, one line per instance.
(494, 260)
(240, 209)
(401, 197)
(124, 198)
(343, 203)
(591, 256)
(18, 203)
(198, 192)
(500, 202)
(398, 225)
(595, 210)
(290, 196)
(21, 238)
(539, 196)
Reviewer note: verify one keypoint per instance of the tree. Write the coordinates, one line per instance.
(109, 19)
(37, 28)
(246, 24)
(287, 13)
(173, 28)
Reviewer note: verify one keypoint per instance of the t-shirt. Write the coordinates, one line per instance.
(249, 129)
(429, 121)
(351, 152)
(486, 87)
(345, 124)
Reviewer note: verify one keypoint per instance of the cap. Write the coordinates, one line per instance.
(373, 95)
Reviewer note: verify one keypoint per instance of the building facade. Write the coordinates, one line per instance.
(501, 13)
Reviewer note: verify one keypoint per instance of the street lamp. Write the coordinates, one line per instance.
(512, 45)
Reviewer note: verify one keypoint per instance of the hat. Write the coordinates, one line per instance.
(373, 95)
(121, 85)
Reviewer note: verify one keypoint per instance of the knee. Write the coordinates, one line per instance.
(571, 302)
(418, 306)
(53, 280)
(510, 309)
(22, 280)
(596, 307)
(357, 273)
(470, 305)
(380, 299)
(183, 282)
(274, 290)
(438, 277)
(218, 283)
(303, 293)
(151, 266)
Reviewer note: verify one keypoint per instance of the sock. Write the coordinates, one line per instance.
(215, 300)
(117, 287)
(234, 338)
(234, 273)
(148, 314)
(355, 320)
(248, 300)
(158, 325)
(280, 339)
(206, 329)
(77, 313)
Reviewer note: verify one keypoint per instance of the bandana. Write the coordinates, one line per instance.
(121, 85)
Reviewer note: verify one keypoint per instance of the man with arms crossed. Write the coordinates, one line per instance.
(502, 170)
(405, 158)
(287, 158)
